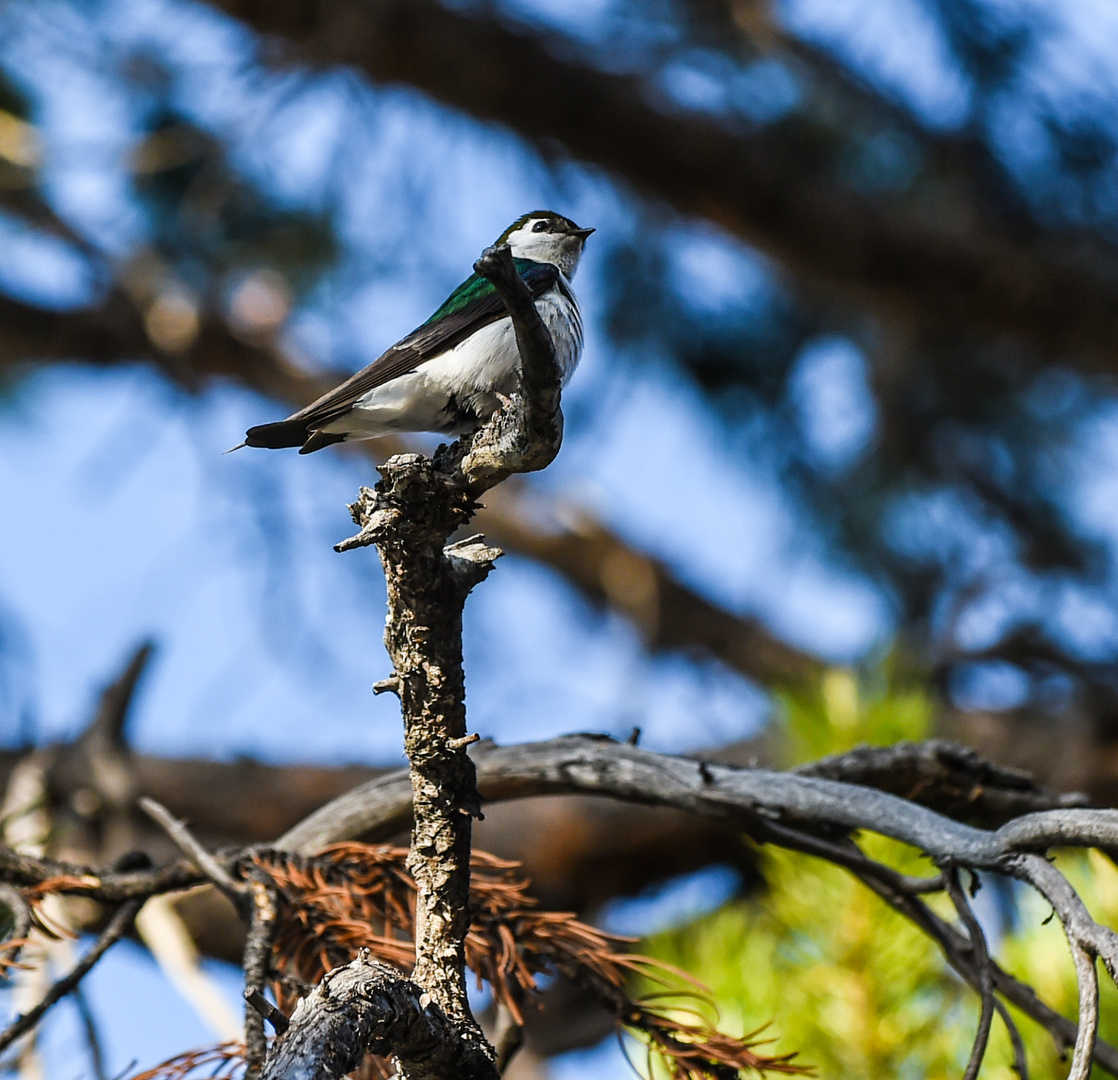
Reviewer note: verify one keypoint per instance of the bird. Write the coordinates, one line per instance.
(452, 373)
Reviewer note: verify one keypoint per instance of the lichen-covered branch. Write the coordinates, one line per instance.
(416, 510)
(257, 967)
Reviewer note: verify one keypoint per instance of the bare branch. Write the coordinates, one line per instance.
(194, 851)
(257, 965)
(365, 1008)
(13, 900)
(279, 1021)
(70, 879)
(1020, 1062)
(946, 776)
(116, 701)
(1087, 941)
(796, 811)
(579, 763)
(410, 516)
(1100, 941)
(1087, 978)
(766, 803)
(92, 1035)
(118, 926)
(981, 959)
(894, 889)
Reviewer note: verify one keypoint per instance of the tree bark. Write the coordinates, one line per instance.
(418, 503)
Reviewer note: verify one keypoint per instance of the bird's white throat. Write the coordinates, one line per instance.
(560, 249)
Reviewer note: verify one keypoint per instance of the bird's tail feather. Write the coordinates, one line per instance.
(278, 435)
(319, 439)
(286, 433)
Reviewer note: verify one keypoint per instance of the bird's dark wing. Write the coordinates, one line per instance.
(474, 304)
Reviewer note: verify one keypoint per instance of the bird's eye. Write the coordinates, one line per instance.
(540, 226)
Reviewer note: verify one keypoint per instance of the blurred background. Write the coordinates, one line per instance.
(840, 461)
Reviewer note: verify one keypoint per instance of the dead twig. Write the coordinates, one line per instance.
(981, 958)
(194, 851)
(279, 1020)
(416, 506)
(118, 926)
(257, 964)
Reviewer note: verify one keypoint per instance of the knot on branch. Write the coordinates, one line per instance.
(413, 506)
(374, 521)
(470, 561)
(369, 1008)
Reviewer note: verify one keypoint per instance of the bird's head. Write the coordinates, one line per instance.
(546, 237)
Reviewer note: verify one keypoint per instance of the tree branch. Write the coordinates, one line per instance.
(257, 966)
(904, 898)
(118, 926)
(410, 515)
(805, 813)
(598, 765)
(952, 779)
(981, 961)
(368, 1008)
(768, 804)
(194, 851)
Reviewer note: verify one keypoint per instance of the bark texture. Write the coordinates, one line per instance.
(416, 506)
(427, 589)
(365, 1008)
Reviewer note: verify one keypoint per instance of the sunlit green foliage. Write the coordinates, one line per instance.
(845, 711)
(846, 981)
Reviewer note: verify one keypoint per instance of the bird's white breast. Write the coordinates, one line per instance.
(471, 374)
(490, 360)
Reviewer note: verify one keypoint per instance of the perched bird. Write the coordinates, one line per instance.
(450, 374)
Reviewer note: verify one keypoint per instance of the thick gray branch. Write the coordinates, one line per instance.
(591, 765)
(367, 1008)
(903, 894)
(950, 778)
(981, 963)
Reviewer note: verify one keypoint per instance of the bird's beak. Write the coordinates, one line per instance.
(582, 234)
